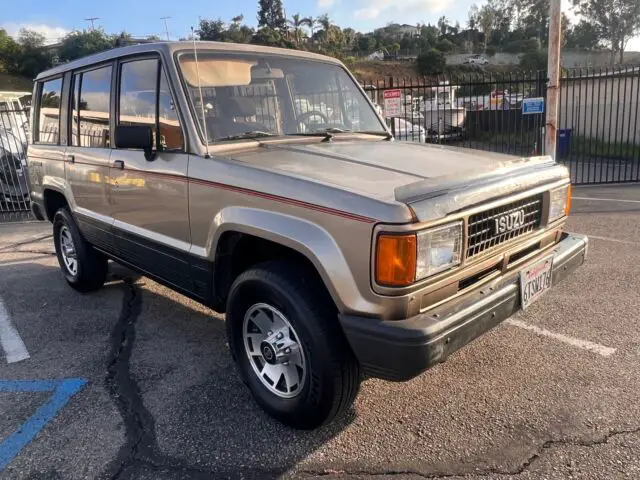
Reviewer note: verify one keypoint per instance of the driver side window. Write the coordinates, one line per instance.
(141, 102)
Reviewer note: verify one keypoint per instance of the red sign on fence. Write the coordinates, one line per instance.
(393, 103)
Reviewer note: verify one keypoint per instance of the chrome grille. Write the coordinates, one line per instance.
(481, 228)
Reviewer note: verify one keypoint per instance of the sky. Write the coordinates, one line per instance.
(143, 17)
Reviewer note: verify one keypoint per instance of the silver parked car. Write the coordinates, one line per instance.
(262, 183)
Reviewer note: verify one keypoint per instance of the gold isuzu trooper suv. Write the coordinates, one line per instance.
(262, 183)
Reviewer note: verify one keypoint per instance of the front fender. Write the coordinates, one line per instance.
(306, 238)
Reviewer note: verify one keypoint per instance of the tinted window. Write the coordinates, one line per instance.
(95, 90)
(139, 98)
(49, 115)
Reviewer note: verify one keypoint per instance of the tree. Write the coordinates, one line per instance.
(312, 23)
(81, 43)
(271, 15)
(366, 44)
(296, 22)
(443, 25)
(325, 22)
(486, 21)
(430, 62)
(9, 50)
(616, 21)
(212, 30)
(535, 60)
(583, 36)
(237, 32)
(31, 57)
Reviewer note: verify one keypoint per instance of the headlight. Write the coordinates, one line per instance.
(438, 249)
(560, 203)
(403, 259)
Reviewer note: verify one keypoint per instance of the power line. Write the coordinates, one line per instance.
(92, 20)
(166, 26)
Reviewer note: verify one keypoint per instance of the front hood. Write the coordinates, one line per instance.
(414, 174)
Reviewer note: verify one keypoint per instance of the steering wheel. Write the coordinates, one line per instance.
(304, 118)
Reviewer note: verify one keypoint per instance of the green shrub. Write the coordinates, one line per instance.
(532, 61)
(430, 62)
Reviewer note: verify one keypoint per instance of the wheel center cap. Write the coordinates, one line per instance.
(268, 353)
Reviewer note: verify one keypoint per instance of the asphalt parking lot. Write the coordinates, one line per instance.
(136, 382)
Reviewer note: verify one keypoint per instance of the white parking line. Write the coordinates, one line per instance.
(10, 340)
(575, 342)
(605, 199)
(609, 239)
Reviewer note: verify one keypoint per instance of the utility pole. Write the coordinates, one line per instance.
(92, 20)
(553, 71)
(166, 26)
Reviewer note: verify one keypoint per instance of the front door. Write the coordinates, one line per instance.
(150, 195)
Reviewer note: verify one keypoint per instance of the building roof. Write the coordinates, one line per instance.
(169, 48)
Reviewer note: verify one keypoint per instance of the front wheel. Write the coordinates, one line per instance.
(287, 344)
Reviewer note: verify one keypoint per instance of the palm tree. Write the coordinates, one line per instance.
(325, 21)
(296, 22)
(312, 23)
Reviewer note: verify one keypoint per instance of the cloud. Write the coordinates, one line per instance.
(51, 34)
(376, 8)
(326, 3)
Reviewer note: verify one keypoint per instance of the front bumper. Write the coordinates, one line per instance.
(402, 349)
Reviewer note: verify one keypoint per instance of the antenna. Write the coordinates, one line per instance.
(204, 123)
(166, 27)
(92, 20)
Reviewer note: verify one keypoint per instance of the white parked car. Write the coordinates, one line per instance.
(476, 60)
(405, 130)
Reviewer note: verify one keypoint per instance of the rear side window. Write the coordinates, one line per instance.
(145, 101)
(49, 114)
(90, 108)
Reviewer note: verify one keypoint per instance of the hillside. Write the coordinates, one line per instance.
(15, 83)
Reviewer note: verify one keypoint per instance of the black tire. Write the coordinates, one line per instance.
(333, 376)
(91, 265)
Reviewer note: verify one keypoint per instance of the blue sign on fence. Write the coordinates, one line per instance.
(532, 105)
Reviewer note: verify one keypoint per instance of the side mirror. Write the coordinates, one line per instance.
(138, 137)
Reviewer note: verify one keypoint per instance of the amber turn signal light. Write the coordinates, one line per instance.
(396, 260)
(567, 205)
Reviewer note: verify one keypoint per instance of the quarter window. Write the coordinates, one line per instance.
(49, 114)
(145, 101)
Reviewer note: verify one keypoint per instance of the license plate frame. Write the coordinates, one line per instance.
(535, 280)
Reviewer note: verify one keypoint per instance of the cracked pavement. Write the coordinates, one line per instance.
(163, 400)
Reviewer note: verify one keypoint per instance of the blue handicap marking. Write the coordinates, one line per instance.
(62, 391)
(532, 105)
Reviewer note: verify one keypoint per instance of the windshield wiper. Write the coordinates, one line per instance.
(248, 135)
(327, 133)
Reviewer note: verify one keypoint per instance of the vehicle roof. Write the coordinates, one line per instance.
(170, 48)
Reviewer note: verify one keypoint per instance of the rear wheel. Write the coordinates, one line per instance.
(83, 267)
(287, 344)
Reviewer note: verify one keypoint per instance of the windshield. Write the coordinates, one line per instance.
(248, 96)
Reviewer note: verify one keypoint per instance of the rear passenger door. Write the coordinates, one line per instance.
(89, 150)
(150, 196)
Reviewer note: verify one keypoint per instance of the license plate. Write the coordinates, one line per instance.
(535, 280)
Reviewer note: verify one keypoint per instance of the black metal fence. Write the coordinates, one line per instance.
(14, 187)
(599, 129)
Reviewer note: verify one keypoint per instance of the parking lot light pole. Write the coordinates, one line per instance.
(553, 71)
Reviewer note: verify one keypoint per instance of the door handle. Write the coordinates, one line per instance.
(71, 158)
(119, 164)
